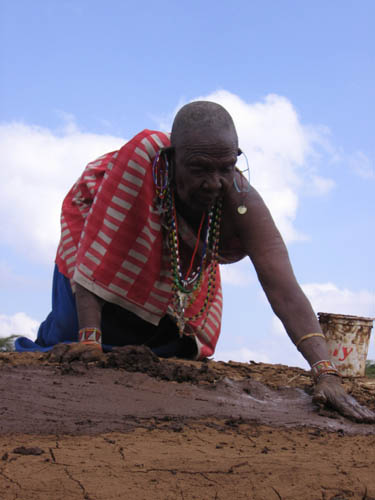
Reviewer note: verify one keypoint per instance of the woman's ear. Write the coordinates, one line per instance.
(167, 154)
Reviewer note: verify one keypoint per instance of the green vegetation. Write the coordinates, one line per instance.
(370, 368)
(7, 343)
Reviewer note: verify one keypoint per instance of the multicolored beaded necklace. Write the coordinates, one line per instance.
(186, 286)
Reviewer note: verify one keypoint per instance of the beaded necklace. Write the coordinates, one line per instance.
(186, 287)
(183, 281)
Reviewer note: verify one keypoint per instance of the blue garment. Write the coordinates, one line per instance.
(61, 325)
(119, 327)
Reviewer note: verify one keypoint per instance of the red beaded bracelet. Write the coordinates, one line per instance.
(90, 335)
(323, 367)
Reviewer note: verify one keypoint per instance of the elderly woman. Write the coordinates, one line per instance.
(144, 230)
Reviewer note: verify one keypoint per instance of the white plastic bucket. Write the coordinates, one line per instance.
(347, 339)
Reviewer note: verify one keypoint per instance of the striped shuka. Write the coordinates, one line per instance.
(113, 242)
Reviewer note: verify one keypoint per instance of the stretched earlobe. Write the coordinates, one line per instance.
(244, 181)
(245, 176)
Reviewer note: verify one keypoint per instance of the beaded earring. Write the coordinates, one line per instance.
(245, 182)
(160, 173)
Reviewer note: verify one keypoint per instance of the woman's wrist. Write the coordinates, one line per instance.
(323, 368)
(90, 335)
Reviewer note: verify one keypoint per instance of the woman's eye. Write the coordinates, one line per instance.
(197, 170)
(228, 170)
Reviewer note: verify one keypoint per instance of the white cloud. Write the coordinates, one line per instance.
(39, 167)
(327, 297)
(361, 164)
(18, 324)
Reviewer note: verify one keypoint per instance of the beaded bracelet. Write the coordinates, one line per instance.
(90, 336)
(308, 336)
(323, 367)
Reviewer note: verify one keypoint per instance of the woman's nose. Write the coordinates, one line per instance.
(213, 182)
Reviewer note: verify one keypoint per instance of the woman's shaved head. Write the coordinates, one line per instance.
(199, 119)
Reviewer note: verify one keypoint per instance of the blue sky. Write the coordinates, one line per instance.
(79, 77)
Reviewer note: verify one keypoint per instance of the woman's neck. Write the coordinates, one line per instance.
(192, 217)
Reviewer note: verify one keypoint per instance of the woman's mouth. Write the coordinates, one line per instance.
(205, 200)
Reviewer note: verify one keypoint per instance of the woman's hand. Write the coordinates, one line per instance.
(82, 351)
(330, 392)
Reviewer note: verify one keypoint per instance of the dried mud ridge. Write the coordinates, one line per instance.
(132, 385)
(143, 360)
(136, 427)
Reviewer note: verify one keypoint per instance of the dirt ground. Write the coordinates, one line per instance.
(137, 427)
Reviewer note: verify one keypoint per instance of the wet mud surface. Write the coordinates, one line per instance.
(134, 426)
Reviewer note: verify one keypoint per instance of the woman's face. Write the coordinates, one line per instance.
(204, 170)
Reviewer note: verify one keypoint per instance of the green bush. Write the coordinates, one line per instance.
(370, 368)
(7, 343)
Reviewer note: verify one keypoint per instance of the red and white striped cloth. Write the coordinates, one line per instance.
(113, 243)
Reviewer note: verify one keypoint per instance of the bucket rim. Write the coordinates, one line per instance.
(346, 317)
